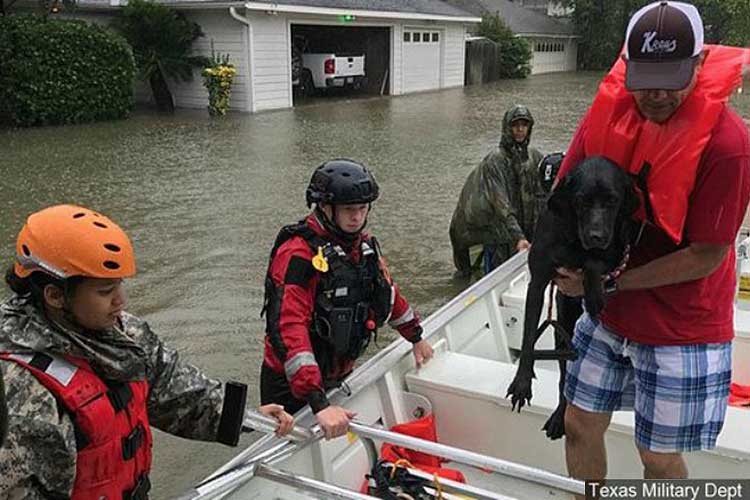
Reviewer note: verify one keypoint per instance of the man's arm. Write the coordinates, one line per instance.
(182, 400)
(296, 279)
(691, 263)
(407, 322)
(505, 221)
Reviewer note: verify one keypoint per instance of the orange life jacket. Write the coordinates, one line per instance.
(665, 156)
(113, 436)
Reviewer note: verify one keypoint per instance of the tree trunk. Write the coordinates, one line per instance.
(162, 95)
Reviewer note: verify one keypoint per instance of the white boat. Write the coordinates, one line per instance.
(476, 337)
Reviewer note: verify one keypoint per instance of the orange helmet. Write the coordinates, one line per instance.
(66, 240)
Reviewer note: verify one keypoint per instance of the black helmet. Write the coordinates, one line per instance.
(341, 182)
(548, 168)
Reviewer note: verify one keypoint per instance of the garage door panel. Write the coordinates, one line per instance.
(421, 62)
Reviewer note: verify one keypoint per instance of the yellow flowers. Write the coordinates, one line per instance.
(218, 80)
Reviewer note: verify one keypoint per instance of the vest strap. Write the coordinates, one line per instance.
(139, 491)
(119, 395)
(132, 442)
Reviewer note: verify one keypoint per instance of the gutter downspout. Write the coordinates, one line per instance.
(250, 86)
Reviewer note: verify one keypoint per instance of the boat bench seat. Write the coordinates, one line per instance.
(481, 379)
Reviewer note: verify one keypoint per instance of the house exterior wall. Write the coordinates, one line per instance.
(228, 37)
(261, 52)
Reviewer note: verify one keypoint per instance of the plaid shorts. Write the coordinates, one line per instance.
(679, 393)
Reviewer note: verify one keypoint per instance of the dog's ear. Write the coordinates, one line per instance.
(630, 204)
(560, 199)
(631, 201)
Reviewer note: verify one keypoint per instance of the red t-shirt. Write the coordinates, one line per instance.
(699, 311)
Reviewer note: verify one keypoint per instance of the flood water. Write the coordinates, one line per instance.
(204, 198)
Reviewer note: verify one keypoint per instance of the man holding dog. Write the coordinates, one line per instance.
(662, 344)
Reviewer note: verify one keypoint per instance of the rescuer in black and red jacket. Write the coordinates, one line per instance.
(327, 291)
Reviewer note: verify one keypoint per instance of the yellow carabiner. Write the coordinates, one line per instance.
(319, 262)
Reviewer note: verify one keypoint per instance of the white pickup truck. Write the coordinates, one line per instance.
(324, 71)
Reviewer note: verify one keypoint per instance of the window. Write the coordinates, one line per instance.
(435, 37)
(416, 36)
(407, 36)
(426, 37)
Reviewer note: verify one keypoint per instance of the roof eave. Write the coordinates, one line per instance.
(546, 35)
(376, 14)
(178, 4)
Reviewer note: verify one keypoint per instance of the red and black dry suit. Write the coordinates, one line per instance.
(318, 321)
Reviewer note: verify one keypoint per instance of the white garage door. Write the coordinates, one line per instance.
(421, 63)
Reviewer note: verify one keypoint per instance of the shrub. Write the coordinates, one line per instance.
(55, 71)
(515, 53)
(218, 79)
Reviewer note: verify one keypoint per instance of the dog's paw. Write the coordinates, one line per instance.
(555, 425)
(519, 392)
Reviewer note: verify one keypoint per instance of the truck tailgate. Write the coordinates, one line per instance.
(350, 65)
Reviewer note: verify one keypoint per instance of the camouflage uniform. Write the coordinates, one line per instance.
(501, 199)
(3, 411)
(38, 459)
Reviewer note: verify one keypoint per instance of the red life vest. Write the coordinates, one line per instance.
(113, 436)
(616, 130)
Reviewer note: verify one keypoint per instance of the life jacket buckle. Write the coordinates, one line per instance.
(140, 490)
(132, 442)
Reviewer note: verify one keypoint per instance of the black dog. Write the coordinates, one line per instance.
(587, 225)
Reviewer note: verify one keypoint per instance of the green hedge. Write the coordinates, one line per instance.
(515, 53)
(55, 71)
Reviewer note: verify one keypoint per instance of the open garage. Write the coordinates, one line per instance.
(347, 43)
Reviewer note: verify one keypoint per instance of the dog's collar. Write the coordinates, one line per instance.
(616, 272)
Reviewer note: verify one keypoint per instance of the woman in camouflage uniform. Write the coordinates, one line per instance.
(84, 379)
(500, 200)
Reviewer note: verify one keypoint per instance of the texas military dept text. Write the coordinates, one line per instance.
(690, 489)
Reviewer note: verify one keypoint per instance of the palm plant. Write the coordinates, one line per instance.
(162, 40)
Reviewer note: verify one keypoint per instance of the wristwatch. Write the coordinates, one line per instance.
(610, 287)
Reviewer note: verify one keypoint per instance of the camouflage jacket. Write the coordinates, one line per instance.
(38, 459)
(501, 198)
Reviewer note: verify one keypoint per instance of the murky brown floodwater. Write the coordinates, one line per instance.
(203, 200)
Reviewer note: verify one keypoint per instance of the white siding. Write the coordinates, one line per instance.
(553, 54)
(454, 55)
(397, 57)
(271, 64)
(228, 37)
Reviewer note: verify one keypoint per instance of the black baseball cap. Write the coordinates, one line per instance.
(663, 44)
